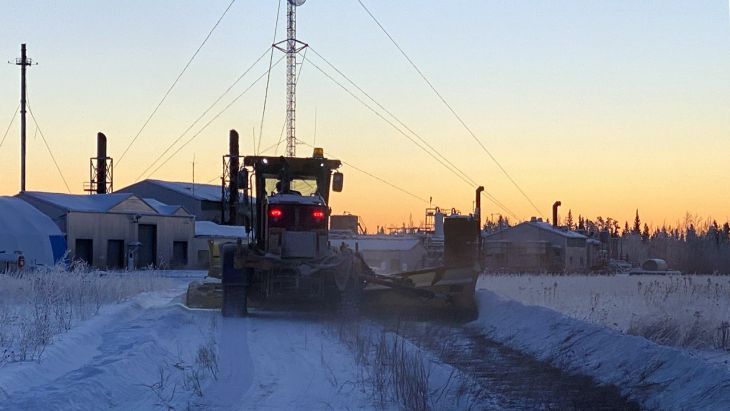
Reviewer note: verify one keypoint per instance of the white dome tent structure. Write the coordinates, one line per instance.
(26, 232)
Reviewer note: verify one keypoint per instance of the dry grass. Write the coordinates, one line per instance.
(37, 306)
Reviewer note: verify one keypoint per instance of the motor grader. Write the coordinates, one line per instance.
(287, 259)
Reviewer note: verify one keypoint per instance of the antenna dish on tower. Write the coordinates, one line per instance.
(297, 2)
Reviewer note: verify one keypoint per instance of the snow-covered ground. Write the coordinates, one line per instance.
(582, 324)
(676, 310)
(150, 352)
(124, 341)
(141, 349)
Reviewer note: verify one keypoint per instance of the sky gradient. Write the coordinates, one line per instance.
(608, 106)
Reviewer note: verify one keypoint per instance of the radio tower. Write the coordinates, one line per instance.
(291, 46)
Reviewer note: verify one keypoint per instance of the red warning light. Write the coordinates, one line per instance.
(318, 214)
(276, 213)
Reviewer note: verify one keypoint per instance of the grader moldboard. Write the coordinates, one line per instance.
(289, 259)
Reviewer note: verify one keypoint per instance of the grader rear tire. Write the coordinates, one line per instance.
(235, 302)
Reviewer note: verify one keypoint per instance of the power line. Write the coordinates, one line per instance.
(213, 119)
(470, 180)
(60, 173)
(174, 83)
(444, 164)
(268, 78)
(169, 147)
(403, 190)
(451, 109)
(7, 130)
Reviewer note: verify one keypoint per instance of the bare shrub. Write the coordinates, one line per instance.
(39, 305)
(395, 372)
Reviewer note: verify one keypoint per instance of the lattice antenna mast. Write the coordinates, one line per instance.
(291, 46)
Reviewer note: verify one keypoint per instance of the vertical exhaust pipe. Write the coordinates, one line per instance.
(555, 213)
(478, 203)
(101, 171)
(478, 216)
(233, 167)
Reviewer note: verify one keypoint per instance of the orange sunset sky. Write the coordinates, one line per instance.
(608, 106)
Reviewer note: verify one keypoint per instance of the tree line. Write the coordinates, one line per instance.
(694, 245)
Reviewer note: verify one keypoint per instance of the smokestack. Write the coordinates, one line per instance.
(478, 216)
(233, 167)
(478, 202)
(555, 213)
(101, 172)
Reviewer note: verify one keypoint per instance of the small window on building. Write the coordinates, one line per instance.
(571, 260)
(210, 205)
(179, 254)
(576, 242)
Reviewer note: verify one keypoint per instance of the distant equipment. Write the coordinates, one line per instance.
(297, 2)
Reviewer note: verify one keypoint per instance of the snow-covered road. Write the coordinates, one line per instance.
(144, 354)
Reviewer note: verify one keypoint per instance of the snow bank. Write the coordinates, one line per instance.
(657, 376)
(682, 311)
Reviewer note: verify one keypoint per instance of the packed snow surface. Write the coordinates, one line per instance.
(147, 351)
(151, 352)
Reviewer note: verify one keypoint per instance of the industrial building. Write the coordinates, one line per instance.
(387, 254)
(119, 230)
(536, 246)
(26, 232)
(204, 201)
(201, 200)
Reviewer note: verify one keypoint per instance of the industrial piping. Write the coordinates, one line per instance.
(555, 213)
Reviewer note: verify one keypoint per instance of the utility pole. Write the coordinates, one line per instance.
(291, 46)
(23, 62)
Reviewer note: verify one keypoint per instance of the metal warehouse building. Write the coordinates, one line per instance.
(387, 254)
(536, 246)
(119, 230)
(201, 200)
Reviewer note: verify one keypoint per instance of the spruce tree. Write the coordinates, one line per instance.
(637, 223)
(569, 220)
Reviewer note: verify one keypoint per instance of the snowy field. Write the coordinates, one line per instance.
(37, 307)
(683, 311)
